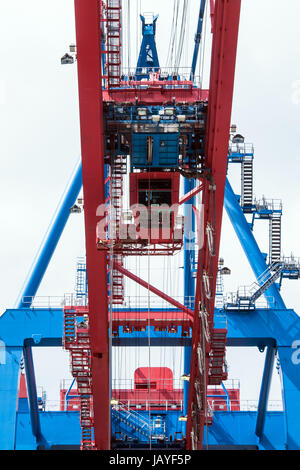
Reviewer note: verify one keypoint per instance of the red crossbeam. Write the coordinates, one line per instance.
(139, 319)
(155, 96)
(161, 321)
(225, 36)
(190, 194)
(153, 289)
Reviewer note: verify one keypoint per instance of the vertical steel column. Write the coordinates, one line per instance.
(88, 34)
(32, 397)
(264, 391)
(198, 37)
(50, 241)
(224, 48)
(189, 281)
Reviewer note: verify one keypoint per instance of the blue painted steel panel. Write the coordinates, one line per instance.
(229, 428)
(60, 428)
(189, 281)
(9, 381)
(165, 150)
(260, 327)
(238, 428)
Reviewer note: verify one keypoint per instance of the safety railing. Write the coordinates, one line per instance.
(230, 384)
(129, 301)
(147, 405)
(268, 204)
(241, 149)
(244, 405)
(291, 262)
(160, 384)
(167, 77)
(51, 301)
(137, 404)
(143, 301)
(169, 405)
(241, 299)
(45, 301)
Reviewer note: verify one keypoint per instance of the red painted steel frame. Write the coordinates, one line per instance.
(225, 37)
(87, 14)
(157, 176)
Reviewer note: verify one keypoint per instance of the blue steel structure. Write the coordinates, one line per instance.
(198, 37)
(148, 58)
(275, 328)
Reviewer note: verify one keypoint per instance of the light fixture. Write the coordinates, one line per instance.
(169, 111)
(182, 418)
(142, 111)
(238, 139)
(225, 271)
(185, 377)
(113, 401)
(67, 59)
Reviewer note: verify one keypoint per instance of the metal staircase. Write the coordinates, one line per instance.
(275, 237)
(112, 18)
(81, 282)
(76, 341)
(219, 289)
(217, 371)
(116, 280)
(131, 419)
(268, 278)
(247, 183)
(119, 168)
(245, 297)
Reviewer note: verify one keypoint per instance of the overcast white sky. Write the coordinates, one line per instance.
(40, 142)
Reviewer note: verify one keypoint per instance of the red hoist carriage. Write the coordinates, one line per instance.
(152, 225)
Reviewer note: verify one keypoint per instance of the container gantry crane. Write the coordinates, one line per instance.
(213, 134)
(166, 130)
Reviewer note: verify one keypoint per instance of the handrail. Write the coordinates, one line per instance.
(67, 395)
